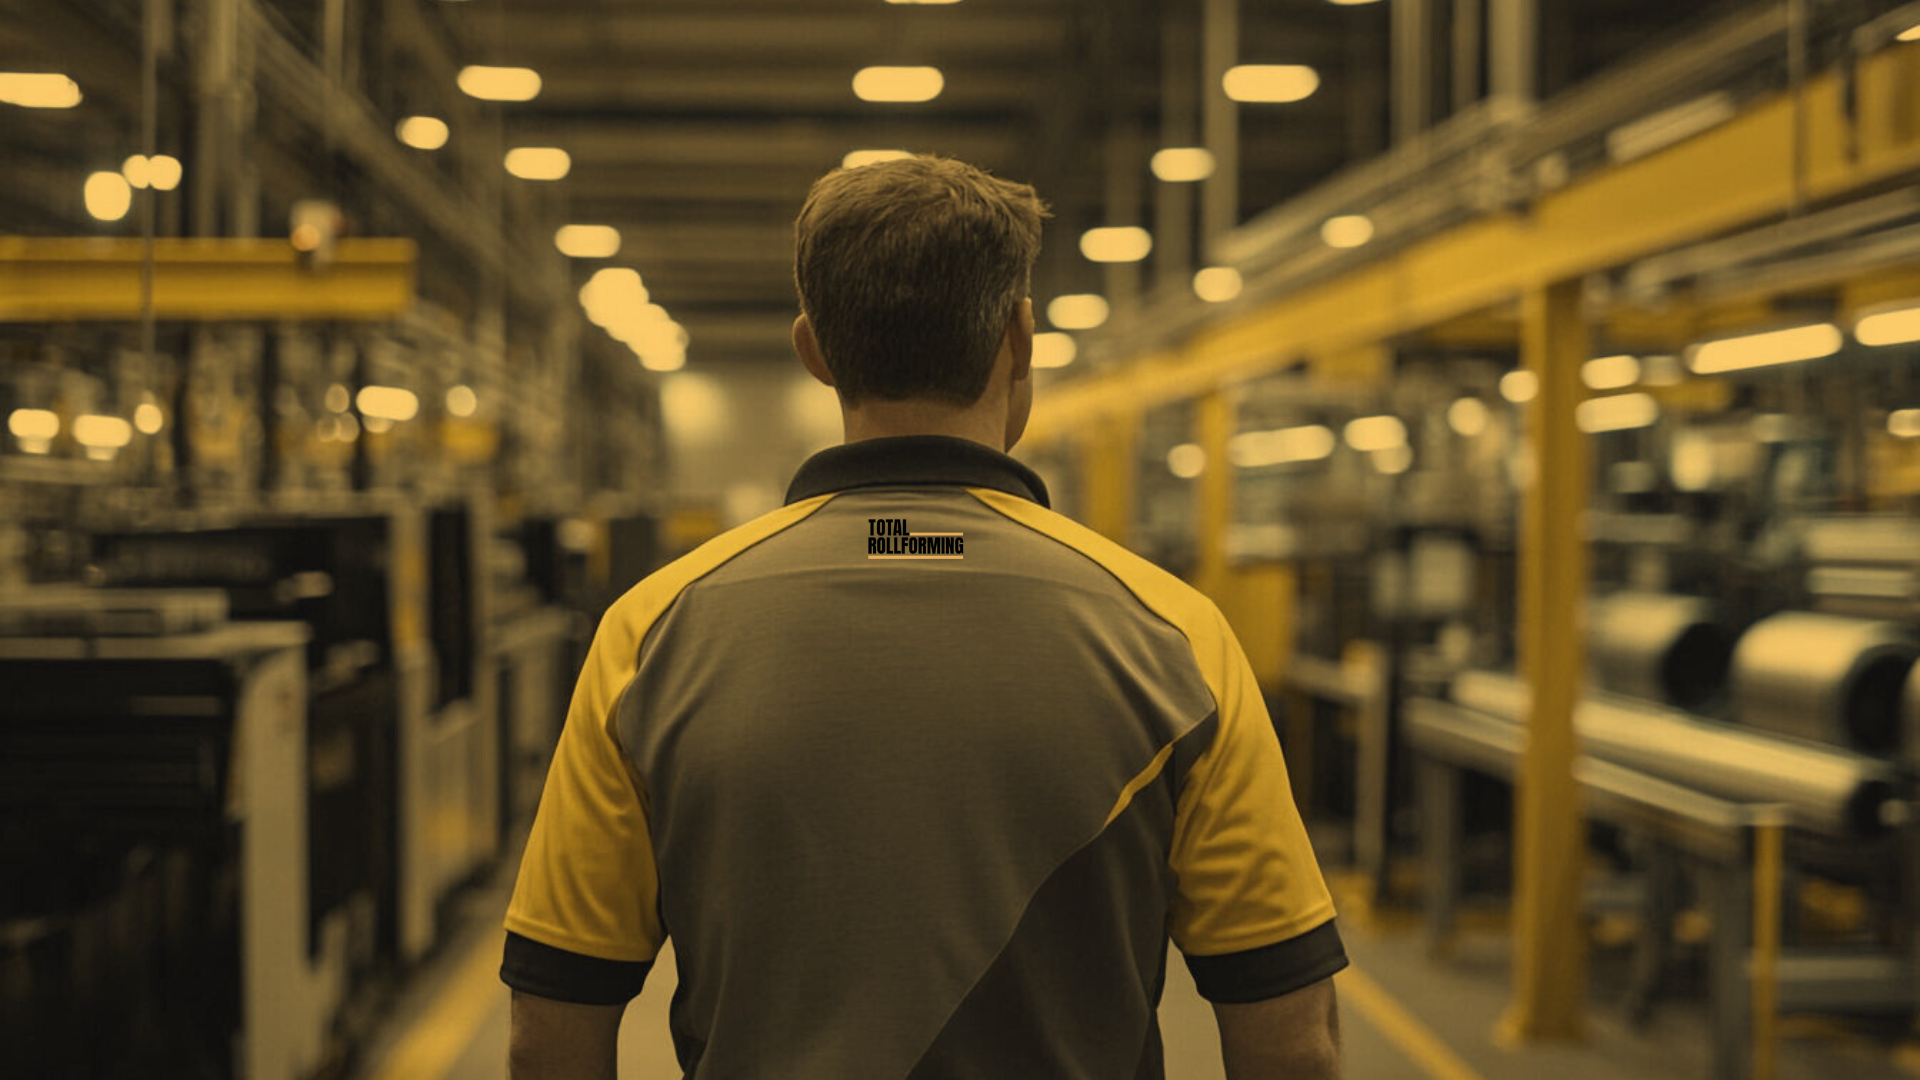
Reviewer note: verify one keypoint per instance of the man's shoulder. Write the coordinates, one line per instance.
(1160, 590)
(653, 593)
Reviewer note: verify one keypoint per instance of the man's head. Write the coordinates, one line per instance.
(913, 277)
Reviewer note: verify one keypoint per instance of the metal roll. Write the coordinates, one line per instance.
(1658, 646)
(1827, 678)
(1827, 790)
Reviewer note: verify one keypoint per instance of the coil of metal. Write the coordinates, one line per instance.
(1658, 646)
(1827, 790)
(1828, 678)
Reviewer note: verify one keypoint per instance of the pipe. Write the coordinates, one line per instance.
(1827, 790)
(1827, 678)
(1665, 648)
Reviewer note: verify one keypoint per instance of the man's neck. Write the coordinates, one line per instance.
(884, 419)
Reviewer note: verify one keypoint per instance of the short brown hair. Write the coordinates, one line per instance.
(909, 271)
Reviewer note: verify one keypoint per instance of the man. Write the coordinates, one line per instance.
(918, 775)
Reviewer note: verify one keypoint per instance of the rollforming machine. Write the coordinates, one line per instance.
(1821, 733)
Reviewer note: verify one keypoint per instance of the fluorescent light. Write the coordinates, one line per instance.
(386, 403)
(1286, 446)
(928, 3)
(461, 400)
(610, 291)
(499, 83)
(1618, 412)
(38, 90)
(1270, 82)
(1053, 350)
(33, 424)
(872, 157)
(1760, 350)
(587, 241)
(1519, 387)
(101, 432)
(1351, 3)
(1392, 460)
(1889, 326)
(1187, 461)
(148, 419)
(538, 162)
(423, 132)
(163, 172)
(1375, 433)
(898, 83)
(1654, 133)
(1116, 244)
(1610, 372)
(1904, 423)
(1911, 33)
(1217, 284)
(338, 399)
(1347, 230)
(108, 196)
(1467, 417)
(136, 169)
(1078, 311)
(1183, 164)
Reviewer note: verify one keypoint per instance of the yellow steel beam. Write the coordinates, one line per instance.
(66, 278)
(1213, 426)
(1549, 967)
(1739, 174)
(1107, 475)
(1769, 860)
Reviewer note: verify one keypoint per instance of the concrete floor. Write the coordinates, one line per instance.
(1403, 1018)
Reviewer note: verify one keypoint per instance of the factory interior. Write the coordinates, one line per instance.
(1534, 385)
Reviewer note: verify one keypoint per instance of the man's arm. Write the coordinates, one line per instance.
(558, 1040)
(1294, 1036)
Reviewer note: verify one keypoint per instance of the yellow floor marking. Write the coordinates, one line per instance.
(1411, 1037)
(448, 1027)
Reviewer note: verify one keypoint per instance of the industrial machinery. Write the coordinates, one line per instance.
(166, 852)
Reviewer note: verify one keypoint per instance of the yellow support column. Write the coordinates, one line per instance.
(1212, 427)
(1107, 468)
(1549, 968)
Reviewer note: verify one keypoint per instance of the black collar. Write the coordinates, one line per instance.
(910, 460)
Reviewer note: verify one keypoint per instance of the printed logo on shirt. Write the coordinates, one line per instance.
(889, 538)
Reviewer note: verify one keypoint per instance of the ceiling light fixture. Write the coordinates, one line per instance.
(1285, 446)
(1610, 372)
(39, 90)
(1889, 325)
(905, 84)
(499, 83)
(390, 403)
(1791, 345)
(872, 157)
(539, 162)
(1182, 164)
(1904, 423)
(1217, 284)
(587, 241)
(1053, 350)
(1347, 230)
(1617, 412)
(1375, 433)
(1467, 417)
(1270, 83)
(1187, 461)
(1116, 244)
(1078, 311)
(1519, 387)
(423, 132)
(462, 401)
(108, 196)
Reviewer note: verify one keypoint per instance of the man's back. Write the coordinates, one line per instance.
(913, 758)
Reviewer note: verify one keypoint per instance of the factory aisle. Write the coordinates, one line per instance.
(1403, 1017)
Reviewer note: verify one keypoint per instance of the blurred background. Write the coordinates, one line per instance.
(1532, 383)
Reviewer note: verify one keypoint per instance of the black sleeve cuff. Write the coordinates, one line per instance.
(544, 971)
(1271, 970)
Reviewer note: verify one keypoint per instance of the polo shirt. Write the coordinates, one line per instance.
(920, 777)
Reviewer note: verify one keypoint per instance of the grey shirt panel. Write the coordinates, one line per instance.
(862, 772)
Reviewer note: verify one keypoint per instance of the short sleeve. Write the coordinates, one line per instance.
(1252, 913)
(584, 924)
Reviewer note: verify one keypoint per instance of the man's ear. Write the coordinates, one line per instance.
(1020, 338)
(807, 347)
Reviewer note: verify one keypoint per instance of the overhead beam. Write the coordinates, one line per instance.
(780, 91)
(64, 278)
(1734, 176)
